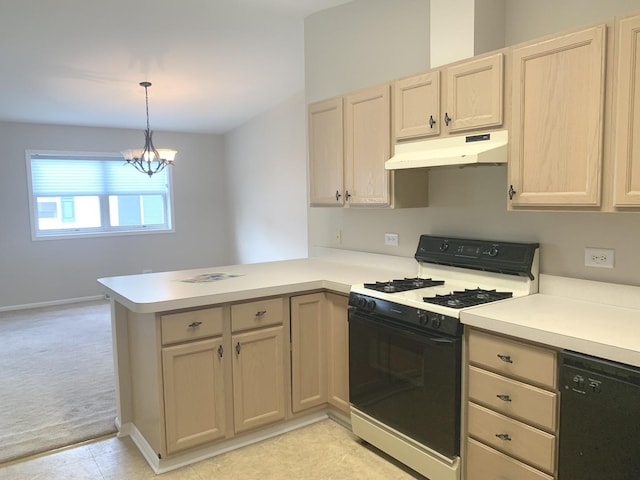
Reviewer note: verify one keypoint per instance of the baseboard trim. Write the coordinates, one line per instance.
(163, 465)
(52, 303)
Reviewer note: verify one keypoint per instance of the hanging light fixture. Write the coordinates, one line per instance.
(143, 158)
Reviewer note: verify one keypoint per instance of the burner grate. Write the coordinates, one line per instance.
(403, 285)
(468, 298)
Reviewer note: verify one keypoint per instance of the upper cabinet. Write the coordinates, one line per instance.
(326, 153)
(556, 139)
(626, 134)
(367, 146)
(349, 143)
(417, 106)
(471, 98)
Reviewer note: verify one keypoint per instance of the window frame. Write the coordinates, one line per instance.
(105, 230)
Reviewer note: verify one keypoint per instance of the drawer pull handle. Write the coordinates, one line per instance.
(238, 348)
(505, 358)
(504, 398)
(503, 436)
(195, 324)
(261, 313)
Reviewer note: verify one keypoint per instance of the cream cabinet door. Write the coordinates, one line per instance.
(367, 146)
(627, 108)
(338, 349)
(557, 124)
(193, 393)
(258, 377)
(326, 170)
(308, 351)
(474, 94)
(417, 106)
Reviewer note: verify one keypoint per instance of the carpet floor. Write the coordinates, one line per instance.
(57, 383)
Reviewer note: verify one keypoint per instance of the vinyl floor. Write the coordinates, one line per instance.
(324, 450)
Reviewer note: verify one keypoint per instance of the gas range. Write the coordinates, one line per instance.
(453, 274)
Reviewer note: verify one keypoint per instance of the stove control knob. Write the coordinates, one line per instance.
(436, 322)
(444, 246)
(422, 317)
(494, 251)
(370, 305)
(361, 302)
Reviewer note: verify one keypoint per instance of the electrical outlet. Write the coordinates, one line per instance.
(391, 239)
(598, 257)
(338, 236)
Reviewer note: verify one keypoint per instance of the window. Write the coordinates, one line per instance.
(75, 194)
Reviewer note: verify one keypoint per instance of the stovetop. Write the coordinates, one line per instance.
(453, 274)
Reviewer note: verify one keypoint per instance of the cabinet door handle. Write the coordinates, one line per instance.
(195, 324)
(238, 348)
(512, 192)
(504, 398)
(505, 358)
(432, 122)
(338, 196)
(261, 313)
(347, 195)
(447, 119)
(503, 436)
(220, 351)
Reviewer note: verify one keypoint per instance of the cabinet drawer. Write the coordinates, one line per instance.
(516, 399)
(515, 438)
(180, 327)
(512, 358)
(260, 313)
(485, 463)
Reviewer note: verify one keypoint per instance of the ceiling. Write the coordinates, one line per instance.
(213, 64)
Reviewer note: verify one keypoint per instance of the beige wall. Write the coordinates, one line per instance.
(266, 168)
(53, 270)
(468, 202)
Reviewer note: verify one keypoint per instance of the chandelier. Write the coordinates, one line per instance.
(149, 159)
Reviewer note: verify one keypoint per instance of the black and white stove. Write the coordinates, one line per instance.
(405, 345)
(453, 274)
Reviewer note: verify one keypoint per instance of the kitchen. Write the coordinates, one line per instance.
(466, 202)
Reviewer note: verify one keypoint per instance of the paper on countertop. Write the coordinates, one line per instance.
(211, 277)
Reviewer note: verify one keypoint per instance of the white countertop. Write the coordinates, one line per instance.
(570, 314)
(335, 270)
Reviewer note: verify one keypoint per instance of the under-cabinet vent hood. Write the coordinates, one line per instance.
(476, 149)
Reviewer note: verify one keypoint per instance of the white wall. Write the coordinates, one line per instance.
(266, 162)
(53, 270)
(360, 43)
(469, 202)
(527, 20)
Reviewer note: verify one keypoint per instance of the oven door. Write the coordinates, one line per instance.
(406, 379)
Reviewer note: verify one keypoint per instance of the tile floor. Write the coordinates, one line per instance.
(324, 450)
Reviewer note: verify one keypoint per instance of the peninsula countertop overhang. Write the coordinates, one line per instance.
(164, 291)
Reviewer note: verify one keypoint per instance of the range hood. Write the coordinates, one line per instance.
(476, 149)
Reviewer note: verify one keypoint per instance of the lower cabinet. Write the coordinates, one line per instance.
(511, 409)
(338, 352)
(194, 393)
(319, 351)
(258, 378)
(204, 375)
(308, 351)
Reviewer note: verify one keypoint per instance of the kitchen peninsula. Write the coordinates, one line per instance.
(207, 360)
(265, 351)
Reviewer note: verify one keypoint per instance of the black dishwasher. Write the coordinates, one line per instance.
(599, 419)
